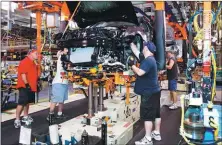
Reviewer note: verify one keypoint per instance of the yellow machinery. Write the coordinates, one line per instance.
(95, 77)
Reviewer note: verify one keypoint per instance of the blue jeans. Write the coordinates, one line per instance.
(172, 85)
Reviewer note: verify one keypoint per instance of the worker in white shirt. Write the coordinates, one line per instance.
(59, 87)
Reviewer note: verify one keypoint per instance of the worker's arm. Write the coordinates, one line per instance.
(170, 64)
(24, 78)
(23, 70)
(138, 71)
(135, 50)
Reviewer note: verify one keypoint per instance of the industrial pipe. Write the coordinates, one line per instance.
(90, 101)
(30, 40)
(101, 97)
(32, 6)
(59, 4)
(95, 94)
(38, 39)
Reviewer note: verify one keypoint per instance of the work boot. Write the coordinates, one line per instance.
(53, 117)
(17, 123)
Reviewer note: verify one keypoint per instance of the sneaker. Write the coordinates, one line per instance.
(144, 141)
(17, 123)
(156, 135)
(27, 119)
(61, 116)
(173, 106)
(170, 103)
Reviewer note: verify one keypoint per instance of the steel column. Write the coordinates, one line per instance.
(207, 52)
(159, 27)
(30, 41)
(101, 93)
(38, 38)
(95, 94)
(90, 101)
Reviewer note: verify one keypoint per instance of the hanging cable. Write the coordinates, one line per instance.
(71, 18)
(217, 13)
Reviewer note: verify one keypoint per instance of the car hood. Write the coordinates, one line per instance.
(92, 12)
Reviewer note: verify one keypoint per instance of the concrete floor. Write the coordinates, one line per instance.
(169, 129)
(77, 107)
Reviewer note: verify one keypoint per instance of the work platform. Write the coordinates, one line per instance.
(122, 117)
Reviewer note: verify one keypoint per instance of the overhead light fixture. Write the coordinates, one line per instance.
(33, 15)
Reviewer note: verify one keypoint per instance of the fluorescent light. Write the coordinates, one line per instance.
(33, 15)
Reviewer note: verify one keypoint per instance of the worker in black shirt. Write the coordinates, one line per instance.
(172, 76)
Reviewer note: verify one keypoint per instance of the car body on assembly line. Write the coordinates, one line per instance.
(105, 30)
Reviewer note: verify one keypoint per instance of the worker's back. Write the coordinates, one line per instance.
(148, 83)
(60, 72)
(173, 72)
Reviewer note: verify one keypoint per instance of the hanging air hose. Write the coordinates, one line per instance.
(200, 31)
(217, 13)
(215, 75)
(194, 19)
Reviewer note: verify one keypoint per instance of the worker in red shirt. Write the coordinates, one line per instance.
(27, 86)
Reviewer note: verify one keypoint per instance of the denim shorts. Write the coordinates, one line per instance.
(172, 85)
(59, 93)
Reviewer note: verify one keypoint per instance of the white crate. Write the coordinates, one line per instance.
(118, 110)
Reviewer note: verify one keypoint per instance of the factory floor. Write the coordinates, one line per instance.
(77, 105)
(43, 96)
(169, 128)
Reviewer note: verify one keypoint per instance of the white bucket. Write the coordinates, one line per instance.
(54, 134)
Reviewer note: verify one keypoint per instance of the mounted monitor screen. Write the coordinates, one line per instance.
(81, 55)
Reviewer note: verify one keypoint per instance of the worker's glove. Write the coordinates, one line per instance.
(141, 57)
(27, 86)
(131, 61)
(64, 58)
(39, 86)
(65, 65)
